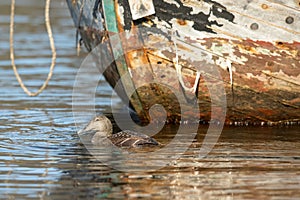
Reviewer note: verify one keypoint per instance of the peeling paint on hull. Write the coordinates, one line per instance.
(254, 44)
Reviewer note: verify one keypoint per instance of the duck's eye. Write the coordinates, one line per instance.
(97, 119)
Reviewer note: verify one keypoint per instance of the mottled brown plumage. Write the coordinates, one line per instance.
(101, 127)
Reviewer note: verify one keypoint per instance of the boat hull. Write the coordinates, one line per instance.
(250, 49)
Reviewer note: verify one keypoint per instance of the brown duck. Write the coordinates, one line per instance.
(102, 129)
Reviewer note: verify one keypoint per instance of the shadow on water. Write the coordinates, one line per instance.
(41, 156)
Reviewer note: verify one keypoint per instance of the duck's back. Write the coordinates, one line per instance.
(130, 139)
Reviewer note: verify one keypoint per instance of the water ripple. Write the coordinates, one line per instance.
(41, 156)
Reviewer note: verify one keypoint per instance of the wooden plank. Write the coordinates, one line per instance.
(295, 4)
(117, 49)
(282, 26)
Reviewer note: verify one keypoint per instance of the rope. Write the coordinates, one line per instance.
(12, 54)
(78, 45)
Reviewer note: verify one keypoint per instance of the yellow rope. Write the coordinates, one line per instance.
(52, 45)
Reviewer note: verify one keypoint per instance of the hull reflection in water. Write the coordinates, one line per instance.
(247, 163)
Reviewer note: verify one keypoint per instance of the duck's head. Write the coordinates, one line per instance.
(99, 124)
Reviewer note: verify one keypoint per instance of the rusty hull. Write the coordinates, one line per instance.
(254, 45)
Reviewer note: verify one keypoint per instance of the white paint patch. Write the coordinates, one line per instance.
(121, 15)
(227, 48)
(198, 6)
(172, 2)
(141, 8)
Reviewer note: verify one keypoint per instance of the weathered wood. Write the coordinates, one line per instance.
(258, 40)
(89, 22)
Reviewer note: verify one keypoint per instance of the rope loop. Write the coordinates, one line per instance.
(52, 46)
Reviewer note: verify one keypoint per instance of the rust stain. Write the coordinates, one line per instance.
(270, 81)
(295, 101)
(279, 44)
(267, 111)
(288, 46)
(264, 6)
(181, 22)
(263, 44)
(247, 48)
(271, 66)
